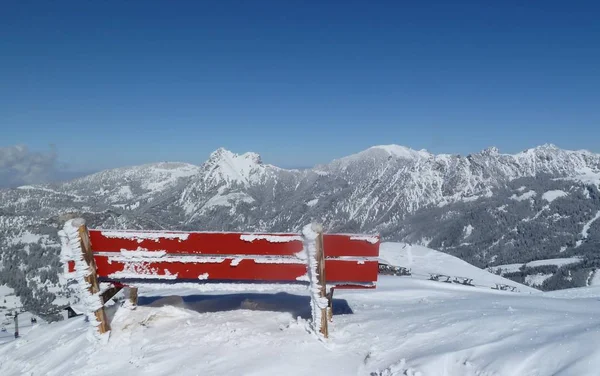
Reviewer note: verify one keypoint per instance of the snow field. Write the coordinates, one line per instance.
(405, 326)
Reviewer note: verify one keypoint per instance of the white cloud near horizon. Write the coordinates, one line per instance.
(19, 166)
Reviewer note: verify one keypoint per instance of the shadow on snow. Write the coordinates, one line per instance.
(296, 305)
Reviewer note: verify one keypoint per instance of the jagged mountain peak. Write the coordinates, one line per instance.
(400, 151)
(547, 146)
(222, 154)
(490, 151)
(224, 166)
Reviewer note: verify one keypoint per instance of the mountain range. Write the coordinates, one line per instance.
(490, 209)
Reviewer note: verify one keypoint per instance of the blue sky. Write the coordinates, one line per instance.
(113, 83)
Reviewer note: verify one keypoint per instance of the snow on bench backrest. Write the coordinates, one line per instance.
(219, 257)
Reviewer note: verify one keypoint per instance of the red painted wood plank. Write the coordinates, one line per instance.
(336, 245)
(245, 270)
(198, 243)
(351, 271)
(232, 244)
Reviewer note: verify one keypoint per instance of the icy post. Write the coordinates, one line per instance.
(74, 248)
(313, 246)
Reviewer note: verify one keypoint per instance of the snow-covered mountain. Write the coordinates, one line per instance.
(406, 326)
(487, 208)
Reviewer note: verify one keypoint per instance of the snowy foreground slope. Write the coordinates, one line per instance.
(406, 326)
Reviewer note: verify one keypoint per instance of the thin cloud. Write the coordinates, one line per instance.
(19, 166)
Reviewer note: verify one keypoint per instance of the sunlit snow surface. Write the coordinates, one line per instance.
(406, 326)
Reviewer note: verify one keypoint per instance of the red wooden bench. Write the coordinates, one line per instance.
(223, 259)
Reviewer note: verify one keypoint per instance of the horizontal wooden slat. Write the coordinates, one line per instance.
(197, 243)
(217, 243)
(211, 257)
(244, 270)
(351, 271)
(336, 245)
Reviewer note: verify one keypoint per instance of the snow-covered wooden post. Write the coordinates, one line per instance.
(313, 244)
(330, 305)
(76, 247)
(133, 296)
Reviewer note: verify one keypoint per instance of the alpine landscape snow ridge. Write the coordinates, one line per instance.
(518, 215)
(406, 326)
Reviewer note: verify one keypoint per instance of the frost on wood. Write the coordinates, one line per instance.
(311, 233)
(141, 236)
(270, 238)
(359, 260)
(143, 270)
(149, 257)
(71, 251)
(227, 287)
(171, 259)
(277, 260)
(366, 238)
(141, 253)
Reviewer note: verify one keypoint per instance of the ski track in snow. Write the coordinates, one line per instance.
(586, 229)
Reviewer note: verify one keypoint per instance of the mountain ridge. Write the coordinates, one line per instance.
(486, 208)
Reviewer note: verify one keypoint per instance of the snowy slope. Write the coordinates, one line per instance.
(511, 268)
(128, 184)
(9, 303)
(424, 261)
(458, 204)
(592, 292)
(404, 327)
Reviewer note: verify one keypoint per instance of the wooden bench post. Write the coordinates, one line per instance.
(322, 280)
(110, 293)
(133, 296)
(313, 245)
(330, 304)
(92, 278)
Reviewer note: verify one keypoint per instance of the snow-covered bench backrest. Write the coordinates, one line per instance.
(228, 257)
(222, 260)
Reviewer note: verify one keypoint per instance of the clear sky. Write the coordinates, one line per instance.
(113, 83)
